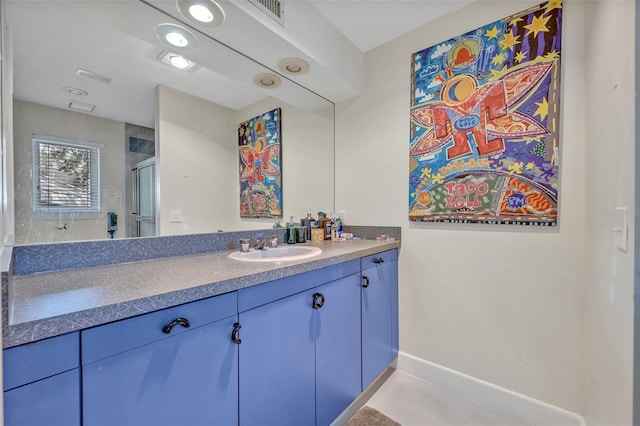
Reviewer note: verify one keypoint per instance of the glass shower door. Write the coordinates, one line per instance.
(144, 190)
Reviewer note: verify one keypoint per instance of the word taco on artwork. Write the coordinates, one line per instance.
(259, 143)
(485, 110)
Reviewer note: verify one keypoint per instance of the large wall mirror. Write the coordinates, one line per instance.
(110, 140)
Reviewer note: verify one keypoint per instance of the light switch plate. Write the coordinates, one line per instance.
(175, 216)
(621, 227)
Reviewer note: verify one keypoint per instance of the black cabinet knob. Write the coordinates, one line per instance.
(318, 300)
(366, 282)
(235, 334)
(379, 260)
(182, 321)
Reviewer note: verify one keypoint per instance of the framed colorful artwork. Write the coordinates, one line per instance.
(485, 109)
(259, 145)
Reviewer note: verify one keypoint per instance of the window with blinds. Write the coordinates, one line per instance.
(66, 175)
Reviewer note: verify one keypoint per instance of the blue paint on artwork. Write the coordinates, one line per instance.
(260, 165)
(485, 108)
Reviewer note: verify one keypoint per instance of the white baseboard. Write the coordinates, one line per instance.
(515, 404)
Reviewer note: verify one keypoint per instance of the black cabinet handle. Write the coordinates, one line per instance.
(366, 282)
(318, 300)
(379, 260)
(182, 321)
(235, 338)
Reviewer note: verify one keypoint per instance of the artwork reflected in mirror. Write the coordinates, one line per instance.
(259, 142)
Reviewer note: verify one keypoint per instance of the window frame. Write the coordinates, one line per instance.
(95, 188)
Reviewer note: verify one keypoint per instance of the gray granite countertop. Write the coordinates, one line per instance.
(53, 303)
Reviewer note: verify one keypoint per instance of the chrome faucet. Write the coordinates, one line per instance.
(271, 241)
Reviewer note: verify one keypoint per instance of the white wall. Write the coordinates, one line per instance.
(501, 303)
(198, 164)
(608, 293)
(31, 118)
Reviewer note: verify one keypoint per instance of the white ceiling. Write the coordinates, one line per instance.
(370, 23)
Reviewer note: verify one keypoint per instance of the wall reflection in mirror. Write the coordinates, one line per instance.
(109, 141)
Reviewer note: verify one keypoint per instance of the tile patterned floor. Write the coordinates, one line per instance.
(413, 402)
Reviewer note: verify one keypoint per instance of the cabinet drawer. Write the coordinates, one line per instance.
(252, 297)
(379, 258)
(110, 339)
(35, 361)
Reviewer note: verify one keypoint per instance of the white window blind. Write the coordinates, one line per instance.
(66, 175)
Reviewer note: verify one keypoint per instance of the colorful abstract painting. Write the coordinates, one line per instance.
(485, 110)
(259, 142)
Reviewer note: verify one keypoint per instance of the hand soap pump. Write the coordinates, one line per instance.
(291, 231)
(306, 222)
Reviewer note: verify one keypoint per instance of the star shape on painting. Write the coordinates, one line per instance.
(530, 166)
(439, 179)
(539, 24)
(514, 21)
(553, 4)
(498, 59)
(520, 56)
(552, 55)
(492, 33)
(536, 138)
(543, 109)
(509, 41)
(515, 168)
(497, 73)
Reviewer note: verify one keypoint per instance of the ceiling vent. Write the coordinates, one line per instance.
(80, 106)
(272, 8)
(94, 75)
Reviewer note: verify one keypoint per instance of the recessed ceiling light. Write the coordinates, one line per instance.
(176, 36)
(176, 61)
(205, 12)
(267, 80)
(81, 106)
(293, 66)
(74, 91)
(200, 13)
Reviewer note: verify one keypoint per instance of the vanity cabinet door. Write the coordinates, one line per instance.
(42, 382)
(379, 314)
(187, 379)
(53, 401)
(277, 375)
(338, 355)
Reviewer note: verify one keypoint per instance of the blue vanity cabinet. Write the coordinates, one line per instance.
(379, 313)
(42, 383)
(338, 347)
(173, 367)
(277, 375)
(300, 347)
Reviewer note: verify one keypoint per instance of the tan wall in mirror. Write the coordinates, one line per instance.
(194, 133)
(31, 118)
(197, 164)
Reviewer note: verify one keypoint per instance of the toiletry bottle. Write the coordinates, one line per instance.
(307, 222)
(291, 230)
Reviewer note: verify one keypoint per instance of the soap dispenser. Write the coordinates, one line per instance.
(291, 232)
(307, 222)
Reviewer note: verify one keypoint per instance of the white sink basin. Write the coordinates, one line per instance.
(276, 254)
